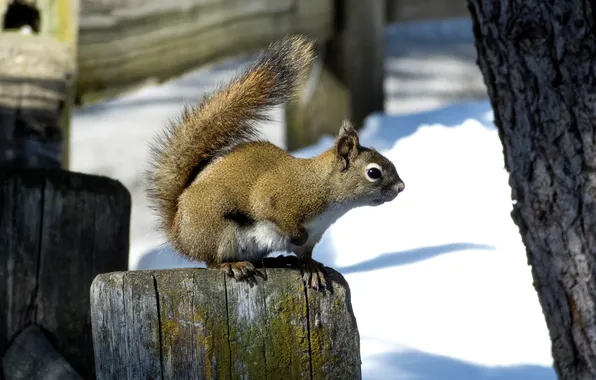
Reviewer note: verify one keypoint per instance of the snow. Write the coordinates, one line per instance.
(445, 260)
(439, 280)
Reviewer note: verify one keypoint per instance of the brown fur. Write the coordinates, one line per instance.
(212, 181)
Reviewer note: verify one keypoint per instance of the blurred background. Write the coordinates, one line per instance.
(439, 279)
(172, 53)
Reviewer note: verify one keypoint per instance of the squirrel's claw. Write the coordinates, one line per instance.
(314, 274)
(240, 270)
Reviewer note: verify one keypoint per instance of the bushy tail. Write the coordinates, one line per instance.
(222, 120)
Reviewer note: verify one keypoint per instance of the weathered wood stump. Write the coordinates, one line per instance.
(58, 230)
(196, 323)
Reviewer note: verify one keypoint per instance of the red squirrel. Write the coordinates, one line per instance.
(226, 197)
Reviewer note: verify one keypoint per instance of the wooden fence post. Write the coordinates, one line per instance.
(347, 78)
(37, 75)
(196, 323)
(356, 54)
(58, 230)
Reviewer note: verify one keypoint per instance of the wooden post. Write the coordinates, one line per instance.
(356, 54)
(37, 73)
(196, 323)
(320, 110)
(346, 79)
(58, 230)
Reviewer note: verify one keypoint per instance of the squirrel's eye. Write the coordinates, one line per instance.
(374, 172)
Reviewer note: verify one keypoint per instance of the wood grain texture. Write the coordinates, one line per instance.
(247, 321)
(335, 351)
(213, 327)
(537, 59)
(286, 330)
(194, 330)
(60, 230)
(123, 44)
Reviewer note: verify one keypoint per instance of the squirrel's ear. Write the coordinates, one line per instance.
(347, 129)
(347, 144)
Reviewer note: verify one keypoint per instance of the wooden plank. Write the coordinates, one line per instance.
(286, 330)
(20, 228)
(76, 227)
(126, 326)
(120, 48)
(194, 324)
(213, 327)
(61, 262)
(142, 315)
(109, 332)
(247, 320)
(333, 331)
(32, 356)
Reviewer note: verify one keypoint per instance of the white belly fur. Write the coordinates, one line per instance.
(264, 237)
(259, 240)
(317, 226)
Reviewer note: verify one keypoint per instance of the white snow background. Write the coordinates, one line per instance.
(439, 280)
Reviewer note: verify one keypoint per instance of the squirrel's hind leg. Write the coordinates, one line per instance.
(228, 254)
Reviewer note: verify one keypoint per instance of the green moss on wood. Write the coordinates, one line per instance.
(247, 321)
(287, 334)
(194, 326)
(268, 326)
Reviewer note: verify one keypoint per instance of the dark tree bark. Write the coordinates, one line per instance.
(538, 59)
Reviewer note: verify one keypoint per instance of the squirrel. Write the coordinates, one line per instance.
(226, 197)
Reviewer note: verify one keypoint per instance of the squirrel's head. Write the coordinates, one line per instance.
(370, 177)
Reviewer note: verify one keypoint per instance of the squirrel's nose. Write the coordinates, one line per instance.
(399, 187)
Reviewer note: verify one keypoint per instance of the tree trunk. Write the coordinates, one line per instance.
(538, 62)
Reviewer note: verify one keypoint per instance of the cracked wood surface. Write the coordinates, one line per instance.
(58, 230)
(198, 324)
(538, 60)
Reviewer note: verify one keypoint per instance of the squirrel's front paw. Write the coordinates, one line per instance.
(240, 270)
(300, 237)
(314, 274)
